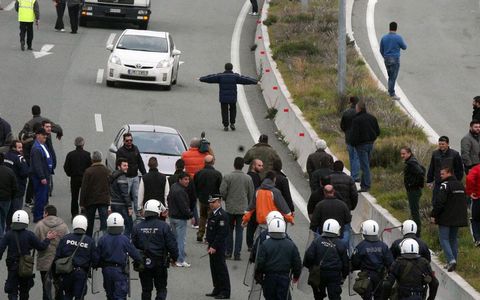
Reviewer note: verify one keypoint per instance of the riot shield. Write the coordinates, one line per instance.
(97, 279)
(302, 284)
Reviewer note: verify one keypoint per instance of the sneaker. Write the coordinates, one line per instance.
(452, 266)
(62, 30)
(225, 128)
(394, 97)
(255, 14)
(183, 265)
(232, 126)
(195, 226)
(477, 243)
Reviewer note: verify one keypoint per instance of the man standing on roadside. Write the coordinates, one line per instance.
(470, 146)
(28, 12)
(41, 167)
(76, 162)
(346, 126)
(476, 108)
(227, 82)
(390, 46)
(60, 8)
(365, 131)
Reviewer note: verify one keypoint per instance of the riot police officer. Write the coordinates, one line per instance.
(20, 241)
(82, 249)
(154, 238)
(113, 250)
(277, 258)
(327, 257)
(372, 256)
(412, 273)
(262, 236)
(409, 230)
(217, 232)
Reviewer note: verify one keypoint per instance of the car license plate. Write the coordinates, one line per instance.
(137, 72)
(115, 10)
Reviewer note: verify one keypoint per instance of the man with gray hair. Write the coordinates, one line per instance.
(95, 192)
(76, 162)
(319, 159)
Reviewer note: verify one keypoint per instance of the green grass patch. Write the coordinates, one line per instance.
(304, 45)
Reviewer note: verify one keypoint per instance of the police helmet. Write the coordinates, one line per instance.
(115, 223)
(277, 228)
(152, 208)
(370, 230)
(409, 246)
(79, 224)
(331, 228)
(409, 226)
(274, 215)
(20, 220)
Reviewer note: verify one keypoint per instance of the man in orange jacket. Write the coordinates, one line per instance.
(473, 191)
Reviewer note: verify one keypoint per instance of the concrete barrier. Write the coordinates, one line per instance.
(301, 137)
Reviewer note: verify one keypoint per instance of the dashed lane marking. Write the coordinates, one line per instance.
(98, 122)
(100, 76)
(111, 38)
(9, 6)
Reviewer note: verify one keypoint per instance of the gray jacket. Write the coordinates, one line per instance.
(470, 150)
(237, 190)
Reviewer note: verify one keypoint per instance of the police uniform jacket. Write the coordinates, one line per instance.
(85, 255)
(8, 183)
(279, 256)
(371, 256)
(450, 206)
(19, 165)
(424, 251)
(217, 229)
(27, 241)
(155, 238)
(331, 252)
(112, 250)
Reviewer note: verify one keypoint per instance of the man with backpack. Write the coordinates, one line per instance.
(414, 180)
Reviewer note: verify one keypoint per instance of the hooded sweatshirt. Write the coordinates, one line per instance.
(49, 223)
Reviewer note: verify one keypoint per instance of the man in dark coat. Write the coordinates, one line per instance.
(365, 131)
(346, 126)
(41, 167)
(5, 135)
(319, 159)
(8, 189)
(76, 162)
(476, 108)
(263, 151)
(281, 183)
(344, 185)
(153, 185)
(228, 81)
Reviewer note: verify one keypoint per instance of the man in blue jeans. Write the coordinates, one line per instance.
(365, 131)
(390, 46)
(449, 213)
(346, 126)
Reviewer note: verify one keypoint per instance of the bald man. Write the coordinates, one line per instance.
(207, 182)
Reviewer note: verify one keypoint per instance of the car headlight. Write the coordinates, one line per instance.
(143, 12)
(115, 59)
(164, 63)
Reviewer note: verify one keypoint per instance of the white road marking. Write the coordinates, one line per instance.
(111, 38)
(98, 122)
(242, 99)
(10, 6)
(181, 63)
(100, 76)
(405, 103)
(44, 51)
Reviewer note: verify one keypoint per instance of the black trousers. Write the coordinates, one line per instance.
(251, 228)
(74, 14)
(26, 28)
(226, 108)
(56, 286)
(254, 6)
(149, 278)
(219, 271)
(60, 11)
(75, 185)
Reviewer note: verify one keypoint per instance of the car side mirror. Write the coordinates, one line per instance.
(176, 52)
(112, 148)
(110, 47)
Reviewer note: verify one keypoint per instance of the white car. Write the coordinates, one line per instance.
(143, 56)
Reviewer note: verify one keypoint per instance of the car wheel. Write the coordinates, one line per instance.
(143, 25)
(83, 22)
(110, 83)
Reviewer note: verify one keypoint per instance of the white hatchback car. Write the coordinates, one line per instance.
(143, 57)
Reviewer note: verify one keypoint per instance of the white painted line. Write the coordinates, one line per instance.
(111, 38)
(46, 48)
(100, 76)
(242, 99)
(9, 6)
(44, 51)
(407, 105)
(98, 122)
(181, 63)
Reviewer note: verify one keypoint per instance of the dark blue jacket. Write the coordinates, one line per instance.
(40, 166)
(424, 251)
(5, 132)
(20, 167)
(27, 241)
(228, 84)
(53, 155)
(371, 256)
(279, 256)
(217, 230)
(331, 252)
(155, 238)
(391, 44)
(85, 255)
(114, 248)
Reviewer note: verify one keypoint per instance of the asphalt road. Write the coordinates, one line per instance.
(65, 85)
(439, 70)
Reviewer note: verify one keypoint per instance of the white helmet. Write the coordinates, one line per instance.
(370, 229)
(115, 223)
(277, 228)
(331, 227)
(274, 215)
(79, 222)
(20, 220)
(409, 226)
(409, 246)
(152, 207)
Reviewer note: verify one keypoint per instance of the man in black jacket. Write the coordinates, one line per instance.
(120, 198)
(281, 183)
(346, 126)
(449, 213)
(319, 159)
(476, 108)
(5, 135)
(207, 182)
(365, 131)
(228, 81)
(444, 156)
(153, 185)
(76, 162)
(344, 185)
(135, 163)
(8, 189)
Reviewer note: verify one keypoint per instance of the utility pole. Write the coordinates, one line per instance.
(342, 48)
(304, 5)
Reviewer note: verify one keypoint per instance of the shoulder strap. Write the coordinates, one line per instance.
(78, 245)
(407, 270)
(326, 252)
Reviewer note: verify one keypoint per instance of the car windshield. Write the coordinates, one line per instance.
(158, 143)
(143, 43)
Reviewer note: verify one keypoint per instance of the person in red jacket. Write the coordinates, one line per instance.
(473, 191)
(193, 158)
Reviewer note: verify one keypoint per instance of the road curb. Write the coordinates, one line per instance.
(300, 137)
